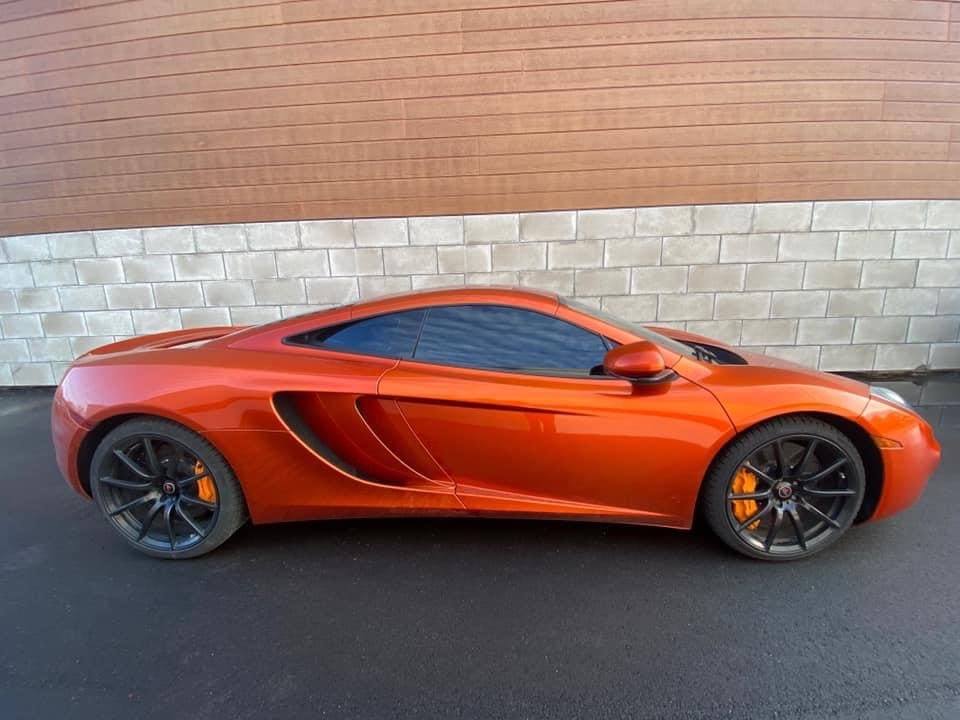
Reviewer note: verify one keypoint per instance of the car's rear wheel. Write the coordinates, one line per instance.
(165, 489)
(785, 490)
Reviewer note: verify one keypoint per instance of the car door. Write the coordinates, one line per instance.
(503, 399)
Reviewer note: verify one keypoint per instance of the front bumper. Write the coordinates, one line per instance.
(907, 468)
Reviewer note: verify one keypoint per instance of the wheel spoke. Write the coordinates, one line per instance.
(828, 493)
(810, 507)
(133, 465)
(192, 479)
(760, 474)
(132, 504)
(778, 454)
(198, 502)
(807, 454)
(797, 527)
(756, 516)
(168, 522)
(774, 529)
(125, 484)
(150, 517)
(750, 496)
(826, 472)
(189, 521)
(151, 455)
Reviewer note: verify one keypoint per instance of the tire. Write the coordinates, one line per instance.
(793, 506)
(154, 472)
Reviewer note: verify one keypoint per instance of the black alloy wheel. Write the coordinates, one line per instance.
(165, 489)
(786, 489)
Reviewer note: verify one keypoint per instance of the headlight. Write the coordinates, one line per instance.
(888, 395)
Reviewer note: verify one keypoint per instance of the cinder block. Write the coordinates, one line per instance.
(250, 265)
(467, 259)
(865, 245)
(15, 275)
(410, 260)
(575, 254)
(953, 251)
(326, 233)
(525, 256)
(715, 278)
(558, 281)
(630, 252)
(88, 297)
(945, 356)
(742, 306)
(944, 329)
(178, 294)
(920, 243)
(842, 215)
(220, 238)
(130, 296)
(380, 232)
(602, 282)
(690, 250)
(848, 357)
(50, 349)
(359, 261)
(943, 214)
(911, 301)
(901, 357)
(166, 240)
(38, 299)
(14, 351)
(692, 306)
(808, 246)
(635, 308)
(807, 355)
(290, 291)
(303, 263)
(493, 278)
(782, 217)
(548, 226)
(153, 268)
(799, 303)
(824, 331)
(676, 220)
(769, 332)
(896, 214)
(63, 324)
(722, 219)
(146, 322)
(8, 301)
(749, 248)
(288, 311)
(32, 374)
(939, 273)
(332, 291)
(373, 286)
(483, 229)
(888, 273)
(6, 375)
(880, 330)
(433, 231)
(83, 345)
(204, 317)
(108, 323)
(223, 293)
(99, 271)
(272, 236)
(118, 243)
(840, 274)
(855, 303)
(599, 224)
(67, 246)
(198, 267)
(254, 315)
(432, 282)
(23, 248)
(726, 331)
(949, 303)
(26, 325)
(775, 276)
(658, 280)
(55, 273)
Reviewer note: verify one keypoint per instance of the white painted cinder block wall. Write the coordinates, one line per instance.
(836, 285)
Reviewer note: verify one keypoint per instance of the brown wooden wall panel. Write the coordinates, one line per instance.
(153, 112)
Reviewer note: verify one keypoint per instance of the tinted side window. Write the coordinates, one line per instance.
(391, 335)
(501, 338)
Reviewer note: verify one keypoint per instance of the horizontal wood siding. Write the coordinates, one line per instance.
(155, 112)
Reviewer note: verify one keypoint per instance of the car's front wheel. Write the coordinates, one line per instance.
(785, 489)
(165, 489)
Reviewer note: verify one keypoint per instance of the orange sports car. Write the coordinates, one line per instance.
(485, 402)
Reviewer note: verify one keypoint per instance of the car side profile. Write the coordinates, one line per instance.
(485, 402)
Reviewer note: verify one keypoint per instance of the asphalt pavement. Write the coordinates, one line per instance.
(470, 618)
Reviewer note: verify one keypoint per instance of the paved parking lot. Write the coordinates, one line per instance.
(470, 618)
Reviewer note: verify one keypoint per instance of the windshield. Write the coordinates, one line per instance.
(632, 328)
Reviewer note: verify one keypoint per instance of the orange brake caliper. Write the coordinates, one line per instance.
(745, 482)
(205, 488)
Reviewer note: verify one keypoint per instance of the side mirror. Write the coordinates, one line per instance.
(638, 362)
